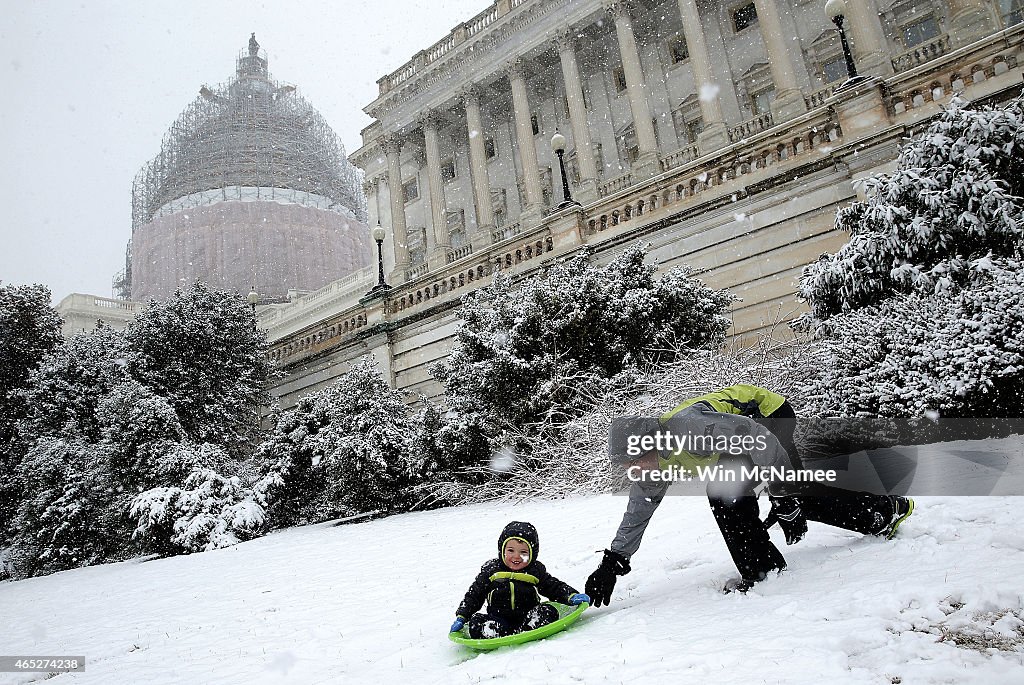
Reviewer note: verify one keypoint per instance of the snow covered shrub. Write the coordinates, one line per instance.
(341, 451)
(70, 517)
(958, 353)
(919, 310)
(208, 512)
(525, 350)
(201, 351)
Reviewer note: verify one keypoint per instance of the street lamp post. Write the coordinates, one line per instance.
(253, 298)
(558, 145)
(378, 236)
(836, 11)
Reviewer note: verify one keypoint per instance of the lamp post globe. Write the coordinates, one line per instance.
(835, 8)
(558, 143)
(253, 298)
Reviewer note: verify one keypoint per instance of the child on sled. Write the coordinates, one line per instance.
(511, 585)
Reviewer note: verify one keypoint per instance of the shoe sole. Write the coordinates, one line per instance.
(901, 519)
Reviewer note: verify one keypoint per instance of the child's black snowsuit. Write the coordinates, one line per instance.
(513, 597)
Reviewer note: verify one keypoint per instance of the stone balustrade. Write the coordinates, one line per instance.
(762, 122)
(680, 157)
(924, 52)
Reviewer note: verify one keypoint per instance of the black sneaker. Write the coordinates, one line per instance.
(740, 585)
(902, 508)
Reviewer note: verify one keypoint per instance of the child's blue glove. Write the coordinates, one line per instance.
(457, 626)
(579, 598)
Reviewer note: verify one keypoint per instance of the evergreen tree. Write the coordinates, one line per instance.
(29, 329)
(341, 451)
(201, 351)
(71, 516)
(922, 309)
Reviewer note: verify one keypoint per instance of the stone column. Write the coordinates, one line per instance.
(870, 49)
(478, 163)
(647, 164)
(584, 148)
(534, 209)
(969, 20)
(437, 252)
(789, 101)
(715, 134)
(391, 145)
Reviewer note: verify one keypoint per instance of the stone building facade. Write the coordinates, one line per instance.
(724, 134)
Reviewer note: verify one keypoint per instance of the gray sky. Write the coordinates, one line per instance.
(89, 89)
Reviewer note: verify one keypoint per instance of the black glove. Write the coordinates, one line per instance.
(786, 510)
(602, 581)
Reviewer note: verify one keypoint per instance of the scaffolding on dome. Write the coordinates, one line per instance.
(250, 138)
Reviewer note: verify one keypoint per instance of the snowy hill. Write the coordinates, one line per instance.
(371, 603)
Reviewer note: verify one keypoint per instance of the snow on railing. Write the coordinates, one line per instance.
(818, 97)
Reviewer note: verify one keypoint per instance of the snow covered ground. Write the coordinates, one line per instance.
(372, 602)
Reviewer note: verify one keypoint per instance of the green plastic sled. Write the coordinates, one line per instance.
(567, 615)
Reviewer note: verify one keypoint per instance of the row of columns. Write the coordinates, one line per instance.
(870, 51)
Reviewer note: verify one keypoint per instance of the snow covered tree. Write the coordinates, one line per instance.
(953, 206)
(29, 329)
(920, 310)
(525, 349)
(208, 512)
(200, 349)
(140, 431)
(71, 516)
(341, 451)
(66, 390)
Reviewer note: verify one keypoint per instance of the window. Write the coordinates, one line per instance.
(693, 129)
(490, 151)
(919, 32)
(677, 50)
(535, 123)
(417, 242)
(744, 17)
(834, 70)
(761, 102)
(619, 79)
(448, 170)
(629, 145)
(456, 228)
(411, 190)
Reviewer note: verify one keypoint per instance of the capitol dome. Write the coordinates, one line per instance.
(251, 189)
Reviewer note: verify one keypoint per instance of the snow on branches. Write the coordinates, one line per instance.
(953, 204)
